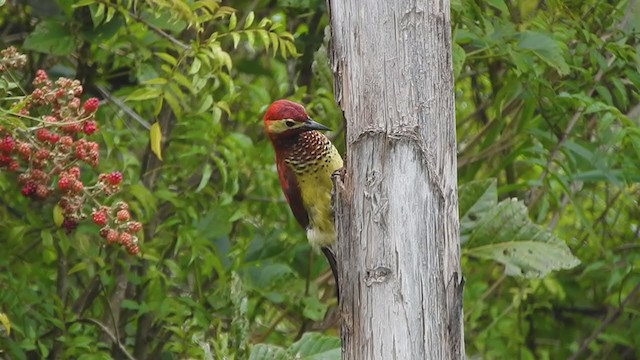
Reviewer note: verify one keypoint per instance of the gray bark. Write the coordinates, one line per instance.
(396, 205)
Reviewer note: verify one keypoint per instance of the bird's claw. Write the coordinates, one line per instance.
(338, 185)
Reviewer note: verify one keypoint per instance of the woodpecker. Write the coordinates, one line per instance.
(305, 160)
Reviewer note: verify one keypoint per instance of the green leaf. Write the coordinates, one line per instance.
(604, 93)
(476, 198)
(207, 101)
(269, 352)
(146, 93)
(233, 21)
(313, 308)
(459, 57)
(264, 36)
(98, 13)
(206, 175)
(51, 37)
(274, 42)
(250, 17)
(546, 48)
(507, 235)
(316, 346)
(620, 93)
(195, 66)
(236, 39)
(77, 267)
(155, 139)
(155, 81)
(58, 216)
(81, 3)
(168, 58)
(110, 12)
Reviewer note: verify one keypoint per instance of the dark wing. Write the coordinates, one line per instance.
(292, 193)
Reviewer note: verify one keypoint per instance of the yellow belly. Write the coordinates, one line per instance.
(315, 185)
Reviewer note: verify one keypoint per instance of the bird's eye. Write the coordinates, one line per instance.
(290, 123)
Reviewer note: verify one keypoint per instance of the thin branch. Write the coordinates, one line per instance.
(151, 27)
(87, 297)
(494, 149)
(262, 337)
(108, 332)
(61, 285)
(536, 194)
(611, 317)
(488, 292)
(110, 310)
(126, 109)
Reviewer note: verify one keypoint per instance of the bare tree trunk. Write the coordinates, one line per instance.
(397, 207)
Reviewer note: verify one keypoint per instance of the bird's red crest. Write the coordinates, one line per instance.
(285, 109)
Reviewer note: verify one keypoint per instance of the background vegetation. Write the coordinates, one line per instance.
(548, 105)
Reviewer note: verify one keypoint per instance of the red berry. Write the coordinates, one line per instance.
(42, 134)
(64, 183)
(13, 166)
(104, 232)
(71, 128)
(7, 144)
(112, 236)
(66, 141)
(89, 127)
(24, 150)
(125, 239)
(42, 154)
(77, 186)
(99, 217)
(121, 205)
(37, 174)
(69, 224)
(133, 249)
(53, 138)
(36, 94)
(41, 75)
(29, 189)
(92, 147)
(114, 178)
(5, 160)
(134, 227)
(74, 171)
(122, 215)
(42, 191)
(91, 105)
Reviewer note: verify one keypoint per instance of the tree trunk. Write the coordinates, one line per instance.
(397, 204)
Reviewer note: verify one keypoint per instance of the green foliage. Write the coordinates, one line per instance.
(547, 108)
(547, 102)
(503, 232)
(312, 346)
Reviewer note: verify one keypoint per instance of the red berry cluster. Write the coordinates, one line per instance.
(48, 156)
(117, 227)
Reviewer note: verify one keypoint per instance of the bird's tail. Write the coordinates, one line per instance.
(333, 263)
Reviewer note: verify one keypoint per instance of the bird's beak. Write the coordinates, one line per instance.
(312, 125)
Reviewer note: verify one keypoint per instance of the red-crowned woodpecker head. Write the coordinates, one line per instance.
(285, 118)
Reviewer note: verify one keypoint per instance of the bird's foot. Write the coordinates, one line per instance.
(338, 185)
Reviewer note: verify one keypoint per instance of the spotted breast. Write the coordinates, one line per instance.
(313, 159)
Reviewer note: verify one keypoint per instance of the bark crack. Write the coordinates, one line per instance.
(412, 136)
